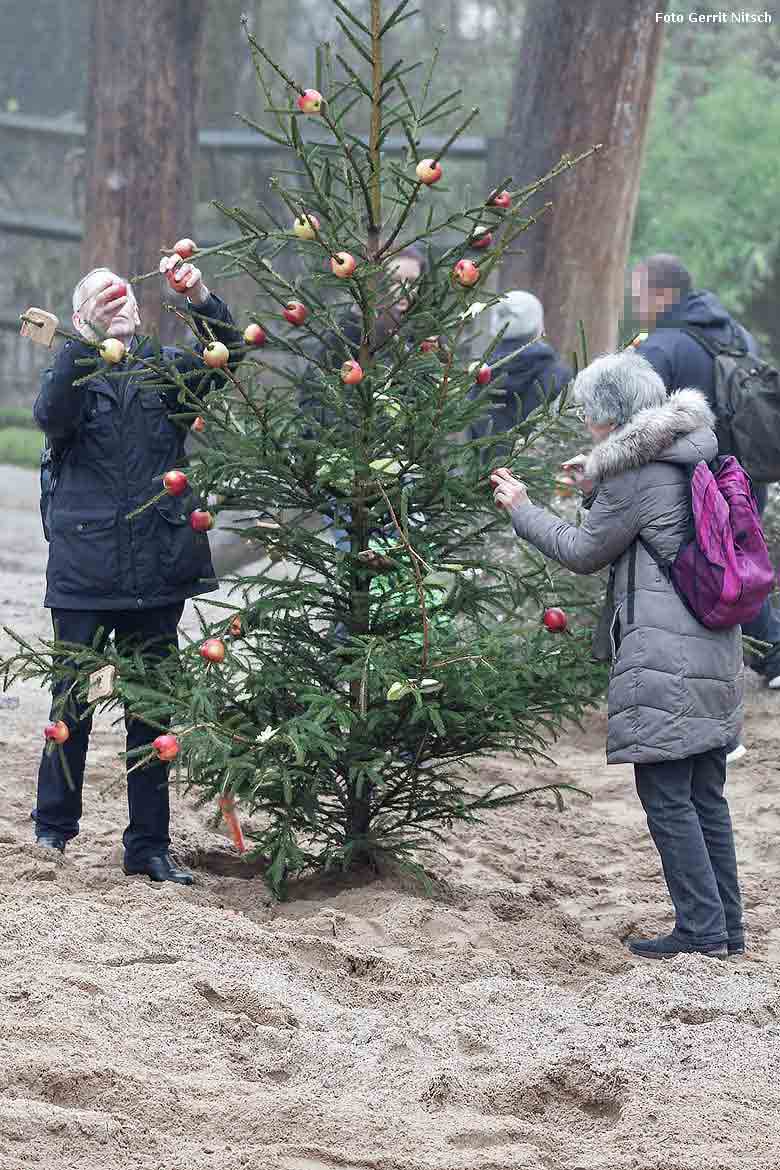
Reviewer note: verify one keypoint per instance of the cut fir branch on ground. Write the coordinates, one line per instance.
(356, 682)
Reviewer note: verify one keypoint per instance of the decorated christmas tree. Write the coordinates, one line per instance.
(387, 641)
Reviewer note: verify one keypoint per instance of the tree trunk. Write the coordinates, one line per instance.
(142, 138)
(585, 76)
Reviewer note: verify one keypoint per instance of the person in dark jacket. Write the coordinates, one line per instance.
(665, 303)
(114, 439)
(535, 374)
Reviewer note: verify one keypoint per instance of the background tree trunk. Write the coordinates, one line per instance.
(585, 75)
(142, 137)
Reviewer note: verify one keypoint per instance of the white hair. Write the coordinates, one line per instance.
(79, 300)
(613, 388)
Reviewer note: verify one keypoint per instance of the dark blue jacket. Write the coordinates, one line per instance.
(118, 440)
(521, 385)
(679, 359)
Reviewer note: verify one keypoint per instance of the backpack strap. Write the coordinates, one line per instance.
(736, 348)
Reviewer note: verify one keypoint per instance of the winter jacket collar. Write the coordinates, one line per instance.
(680, 431)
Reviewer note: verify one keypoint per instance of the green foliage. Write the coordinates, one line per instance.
(20, 446)
(711, 176)
(366, 675)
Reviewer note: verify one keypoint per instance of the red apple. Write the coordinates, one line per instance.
(201, 521)
(185, 248)
(310, 101)
(295, 312)
(175, 483)
(118, 290)
(343, 264)
(199, 424)
(112, 350)
(555, 620)
(58, 732)
(213, 650)
(254, 334)
(501, 199)
(466, 273)
(305, 227)
(216, 355)
(166, 746)
(351, 373)
(428, 171)
(430, 343)
(482, 237)
(484, 375)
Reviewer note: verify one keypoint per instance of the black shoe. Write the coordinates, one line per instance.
(736, 944)
(160, 868)
(51, 841)
(666, 946)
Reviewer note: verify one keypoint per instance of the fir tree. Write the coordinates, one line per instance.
(345, 696)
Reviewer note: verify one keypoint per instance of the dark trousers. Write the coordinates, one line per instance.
(58, 807)
(689, 821)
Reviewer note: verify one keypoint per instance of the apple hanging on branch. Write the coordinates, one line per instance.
(216, 355)
(112, 350)
(305, 227)
(255, 335)
(166, 747)
(482, 373)
(310, 101)
(351, 373)
(213, 650)
(58, 732)
(466, 273)
(185, 248)
(555, 620)
(482, 237)
(343, 264)
(175, 483)
(295, 312)
(201, 521)
(500, 199)
(428, 171)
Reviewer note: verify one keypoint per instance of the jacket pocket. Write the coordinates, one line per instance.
(157, 426)
(84, 556)
(184, 555)
(615, 632)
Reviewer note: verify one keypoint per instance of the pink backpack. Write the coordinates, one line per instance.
(723, 574)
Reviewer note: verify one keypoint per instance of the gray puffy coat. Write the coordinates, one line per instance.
(676, 687)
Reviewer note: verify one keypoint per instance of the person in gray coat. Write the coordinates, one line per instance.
(675, 691)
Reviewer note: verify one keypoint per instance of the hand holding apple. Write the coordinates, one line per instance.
(184, 277)
(107, 304)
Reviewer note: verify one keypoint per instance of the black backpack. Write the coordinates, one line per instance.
(747, 405)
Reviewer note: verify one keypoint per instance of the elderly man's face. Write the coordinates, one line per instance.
(122, 324)
(404, 271)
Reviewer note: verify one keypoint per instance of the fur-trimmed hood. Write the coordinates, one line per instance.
(656, 433)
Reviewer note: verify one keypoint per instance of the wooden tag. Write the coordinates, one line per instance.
(39, 326)
(101, 683)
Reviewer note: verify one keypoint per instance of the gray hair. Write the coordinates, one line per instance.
(613, 388)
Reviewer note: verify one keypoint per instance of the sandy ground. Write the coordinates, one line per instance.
(499, 1024)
